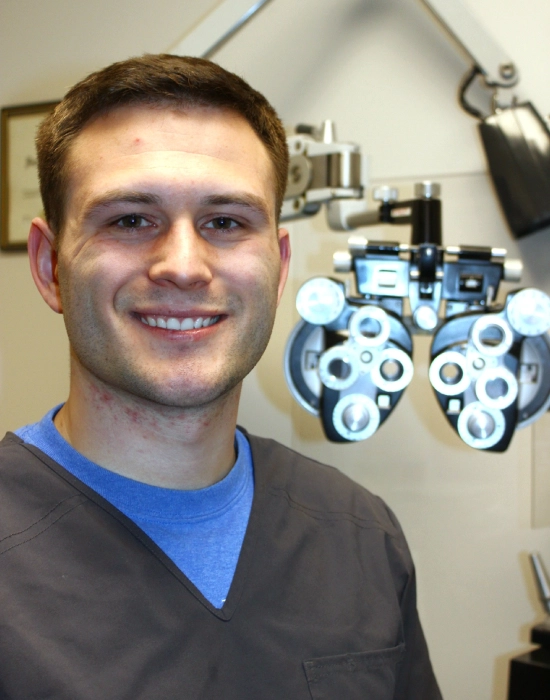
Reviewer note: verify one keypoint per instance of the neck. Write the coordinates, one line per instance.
(164, 446)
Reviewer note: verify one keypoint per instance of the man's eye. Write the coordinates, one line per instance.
(222, 223)
(131, 221)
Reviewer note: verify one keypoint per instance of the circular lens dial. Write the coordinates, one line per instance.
(320, 301)
(529, 312)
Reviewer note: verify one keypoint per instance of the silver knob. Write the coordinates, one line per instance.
(427, 189)
(357, 245)
(513, 270)
(425, 317)
(328, 131)
(355, 417)
(342, 261)
(481, 425)
(385, 194)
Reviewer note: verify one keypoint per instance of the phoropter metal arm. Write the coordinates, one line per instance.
(496, 67)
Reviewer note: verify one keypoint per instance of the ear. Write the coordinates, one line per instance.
(284, 251)
(43, 261)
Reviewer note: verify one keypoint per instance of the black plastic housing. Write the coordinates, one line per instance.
(517, 146)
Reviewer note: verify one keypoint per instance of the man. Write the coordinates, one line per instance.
(148, 549)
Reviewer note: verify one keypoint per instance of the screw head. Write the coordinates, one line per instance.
(507, 71)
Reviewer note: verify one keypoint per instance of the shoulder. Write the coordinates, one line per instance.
(19, 461)
(318, 488)
(32, 492)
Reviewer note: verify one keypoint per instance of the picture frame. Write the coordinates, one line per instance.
(20, 193)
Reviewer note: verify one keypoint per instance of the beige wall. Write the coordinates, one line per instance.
(388, 76)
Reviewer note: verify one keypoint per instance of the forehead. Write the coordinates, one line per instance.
(139, 143)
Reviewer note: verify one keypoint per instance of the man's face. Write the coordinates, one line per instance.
(170, 265)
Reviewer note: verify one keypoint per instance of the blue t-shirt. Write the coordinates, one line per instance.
(201, 531)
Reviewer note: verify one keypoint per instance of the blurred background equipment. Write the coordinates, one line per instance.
(350, 358)
(515, 138)
(530, 673)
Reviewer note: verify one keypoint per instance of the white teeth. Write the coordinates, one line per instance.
(174, 324)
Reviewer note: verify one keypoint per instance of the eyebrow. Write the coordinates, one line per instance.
(107, 199)
(113, 197)
(249, 201)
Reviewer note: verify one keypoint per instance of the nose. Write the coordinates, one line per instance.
(181, 258)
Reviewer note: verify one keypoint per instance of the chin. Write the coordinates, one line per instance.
(191, 395)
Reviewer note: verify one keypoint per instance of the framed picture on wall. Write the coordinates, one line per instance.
(20, 199)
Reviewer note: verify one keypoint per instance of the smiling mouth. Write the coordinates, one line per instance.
(172, 323)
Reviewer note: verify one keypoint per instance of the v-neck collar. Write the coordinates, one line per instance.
(248, 549)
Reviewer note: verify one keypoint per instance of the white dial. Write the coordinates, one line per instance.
(529, 312)
(320, 300)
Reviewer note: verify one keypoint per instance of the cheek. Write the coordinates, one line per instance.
(260, 268)
(259, 282)
(91, 282)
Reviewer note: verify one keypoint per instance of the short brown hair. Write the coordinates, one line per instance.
(155, 80)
